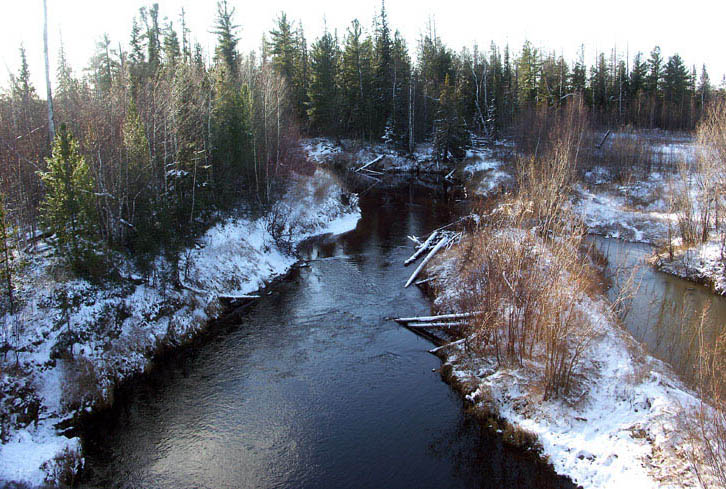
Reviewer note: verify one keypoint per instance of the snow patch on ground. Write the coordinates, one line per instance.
(705, 262)
(72, 356)
(611, 214)
(622, 427)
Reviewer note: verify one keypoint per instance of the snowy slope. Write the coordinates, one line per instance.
(111, 332)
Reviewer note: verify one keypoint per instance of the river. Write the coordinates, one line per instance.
(664, 312)
(315, 387)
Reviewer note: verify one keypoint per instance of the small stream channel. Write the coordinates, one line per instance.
(665, 311)
(315, 387)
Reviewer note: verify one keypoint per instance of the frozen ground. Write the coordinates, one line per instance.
(622, 425)
(72, 341)
(703, 263)
(486, 171)
(640, 210)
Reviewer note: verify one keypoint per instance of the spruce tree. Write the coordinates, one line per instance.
(323, 91)
(450, 135)
(68, 210)
(355, 82)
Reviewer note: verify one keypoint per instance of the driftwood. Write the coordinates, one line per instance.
(440, 317)
(424, 281)
(421, 249)
(431, 254)
(370, 163)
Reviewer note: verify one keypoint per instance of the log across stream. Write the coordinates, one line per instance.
(315, 386)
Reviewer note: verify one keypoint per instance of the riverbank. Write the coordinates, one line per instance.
(73, 342)
(620, 424)
(644, 202)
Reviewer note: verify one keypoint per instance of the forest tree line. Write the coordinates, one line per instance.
(155, 138)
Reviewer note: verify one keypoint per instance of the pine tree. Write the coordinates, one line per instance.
(655, 72)
(172, 50)
(289, 59)
(676, 81)
(355, 82)
(450, 135)
(226, 51)
(528, 72)
(68, 210)
(704, 87)
(323, 92)
(383, 71)
(638, 74)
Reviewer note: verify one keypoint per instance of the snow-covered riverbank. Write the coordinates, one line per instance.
(622, 423)
(73, 342)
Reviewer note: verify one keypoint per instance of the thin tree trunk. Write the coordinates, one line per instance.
(51, 123)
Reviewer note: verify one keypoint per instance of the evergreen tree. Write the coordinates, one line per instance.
(226, 51)
(152, 36)
(355, 82)
(655, 72)
(323, 91)
(704, 87)
(676, 81)
(172, 50)
(638, 74)
(289, 59)
(68, 210)
(383, 71)
(528, 71)
(450, 135)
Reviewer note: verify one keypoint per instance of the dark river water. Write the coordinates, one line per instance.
(315, 387)
(665, 311)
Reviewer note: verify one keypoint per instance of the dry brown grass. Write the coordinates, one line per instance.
(698, 192)
(523, 268)
(707, 425)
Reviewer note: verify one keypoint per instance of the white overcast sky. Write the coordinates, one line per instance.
(695, 29)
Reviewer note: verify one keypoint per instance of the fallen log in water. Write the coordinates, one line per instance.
(238, 297)
(431, 254)
(426, 245)
(370, 163)
(440, 317)
(437, 325)
(438, 348)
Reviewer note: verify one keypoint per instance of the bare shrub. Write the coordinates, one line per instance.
(63, 469)
(523, 270)
(707, 426)
(699, 191)
(82, 384)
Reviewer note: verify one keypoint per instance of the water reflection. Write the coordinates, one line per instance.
(665, 311)
(315, 387)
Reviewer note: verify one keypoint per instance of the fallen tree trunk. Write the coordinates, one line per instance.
(426, 245)
(437, 325)
(238, 297)
(431, 254)
(440, 317)
(370, 163)
(602, 141)
(438, 348)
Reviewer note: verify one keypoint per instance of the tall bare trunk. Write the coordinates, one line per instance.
(51, 123)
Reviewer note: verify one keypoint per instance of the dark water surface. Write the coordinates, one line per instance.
(315, 387)
(665, 311)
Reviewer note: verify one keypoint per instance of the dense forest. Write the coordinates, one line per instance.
(154, 139)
